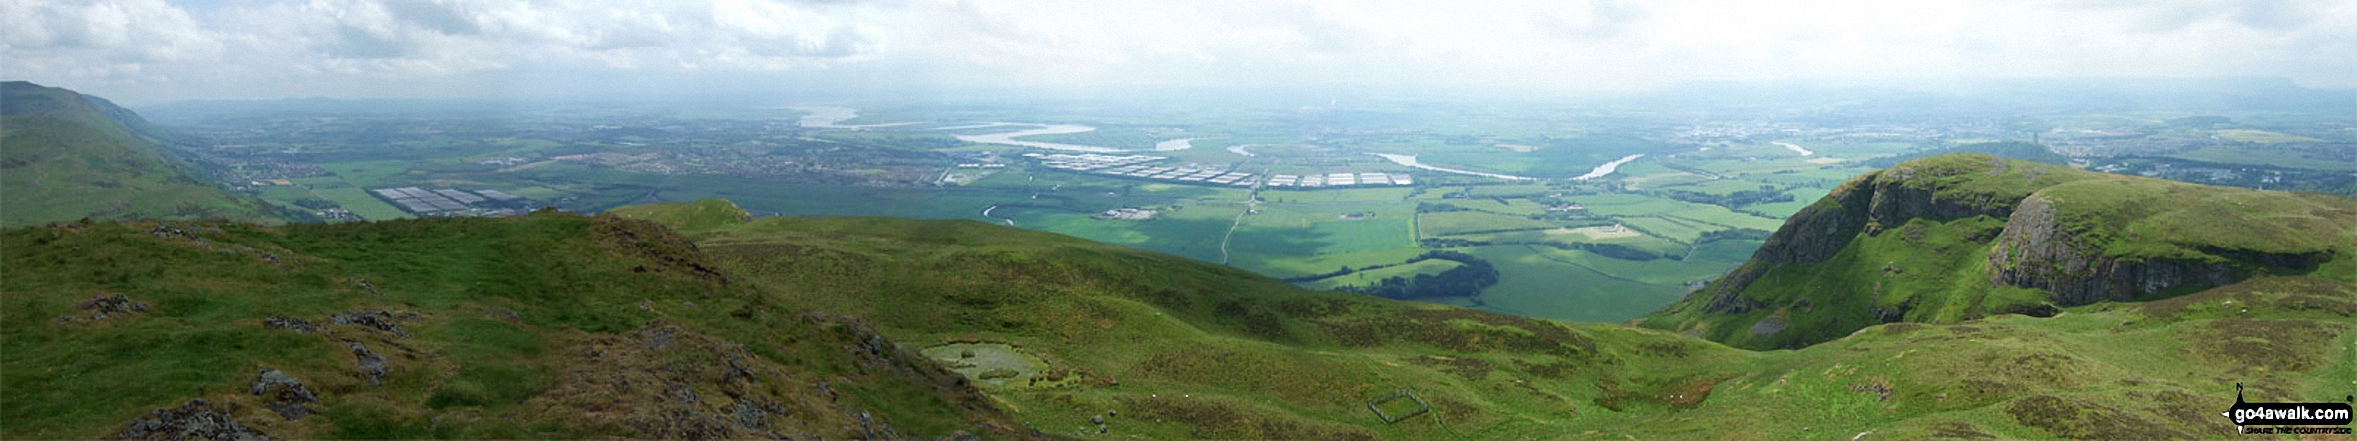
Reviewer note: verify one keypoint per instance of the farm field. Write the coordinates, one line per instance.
(2246, 155)
(1370, 277)
(1532, 284)
(1638, 231)
(361, 203)
(1439, 224)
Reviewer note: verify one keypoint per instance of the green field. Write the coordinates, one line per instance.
(373, 174)
(1532, 283)
(1371, 277)
(2224, 154)
(361, 203)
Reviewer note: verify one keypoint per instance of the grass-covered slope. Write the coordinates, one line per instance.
(1958, 237)
(563, 326)
(546, 326)
(1176, 348)
(67, 156)
(688, 216)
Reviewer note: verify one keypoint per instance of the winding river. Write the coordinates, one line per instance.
(1008, 138)
(1608, 167)
(820, 117)
(1410, 160)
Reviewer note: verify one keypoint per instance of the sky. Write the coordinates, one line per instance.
(147, 51)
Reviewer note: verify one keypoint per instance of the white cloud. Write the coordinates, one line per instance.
(153, 50)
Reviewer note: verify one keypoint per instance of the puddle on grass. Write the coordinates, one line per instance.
(999, 365)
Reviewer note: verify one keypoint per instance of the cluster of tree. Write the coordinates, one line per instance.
(316, 203)
(1616, 251)
(1766, 194)
(1429, 207)
(1733, 234)
(1465, 280)
(1428, 255)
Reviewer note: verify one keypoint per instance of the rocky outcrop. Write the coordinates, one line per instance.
(669, 382)
(667, 251)
(368, 364)
(1864, 205)
(101, 306)
(2036, 250)
(284, 394)
(369, 318)
(195, 419)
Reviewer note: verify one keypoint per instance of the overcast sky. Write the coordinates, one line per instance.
(145, 51)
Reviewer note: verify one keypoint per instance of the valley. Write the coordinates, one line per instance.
(1283, 193)
(1150, 220)
(1309, 290)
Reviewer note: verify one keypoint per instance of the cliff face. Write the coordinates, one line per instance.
(1959, 237)
(1867, 204)
(2037, 250)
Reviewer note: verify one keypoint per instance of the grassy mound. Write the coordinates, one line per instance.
(547, 326)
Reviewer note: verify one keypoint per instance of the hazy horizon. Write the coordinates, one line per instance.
(153, 51)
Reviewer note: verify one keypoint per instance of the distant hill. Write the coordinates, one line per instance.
(2009, 149)
(1954, 238)
(66, 156)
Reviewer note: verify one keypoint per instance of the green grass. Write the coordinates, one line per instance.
(1443, 224)
(688, 216)
(504, 315)
(1180, 348)
(1533, 281)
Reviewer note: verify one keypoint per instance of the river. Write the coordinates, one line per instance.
(1008, 138)
(1410, 160)
(1174, 145)
(820, 117)
(1795, 148)
(1608, 167)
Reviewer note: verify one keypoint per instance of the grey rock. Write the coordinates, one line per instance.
(371, 366)
(289, 323)
(195, 419)
(284, 394)
(369, 318)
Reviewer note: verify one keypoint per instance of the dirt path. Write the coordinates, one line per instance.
(1223, 240)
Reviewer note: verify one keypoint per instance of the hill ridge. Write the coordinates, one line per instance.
(70, 156)
(1977, 235)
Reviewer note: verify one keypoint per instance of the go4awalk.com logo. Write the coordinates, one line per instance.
(2309, 415)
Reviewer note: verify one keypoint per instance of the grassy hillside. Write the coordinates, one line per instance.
(546, 326)
(1955, 238)
(1181, 349)
(66, 156)
(556, 325)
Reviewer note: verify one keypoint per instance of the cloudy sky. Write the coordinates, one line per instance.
(145, 51)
